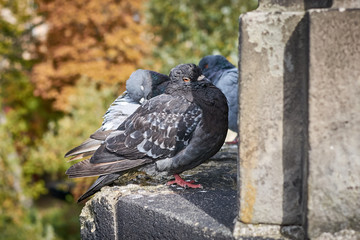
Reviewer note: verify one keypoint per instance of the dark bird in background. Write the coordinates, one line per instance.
(225, 76)
(173, 132)
(141, 85)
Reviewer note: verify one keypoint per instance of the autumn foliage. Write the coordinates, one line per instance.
(104, 41)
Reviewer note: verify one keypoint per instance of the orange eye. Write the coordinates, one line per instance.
(206, 66)
(185, 79)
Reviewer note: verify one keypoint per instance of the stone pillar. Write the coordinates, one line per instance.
(299, 153)
(334, 119)
(273, 67)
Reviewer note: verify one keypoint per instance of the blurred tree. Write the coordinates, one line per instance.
(46, 159)
(28, 114)
(101, 39)
(186, 31)
(17, 219)
(23, 118)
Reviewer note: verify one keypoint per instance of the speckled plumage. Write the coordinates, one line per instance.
(141, 85)
(174, 132)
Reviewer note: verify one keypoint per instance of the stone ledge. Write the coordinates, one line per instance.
(135, 212)
(167, 212)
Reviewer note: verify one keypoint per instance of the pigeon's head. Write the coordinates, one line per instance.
(213, 63)
(145, 84)
(186, 73)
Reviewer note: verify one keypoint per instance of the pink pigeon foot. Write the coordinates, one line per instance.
(182, 183)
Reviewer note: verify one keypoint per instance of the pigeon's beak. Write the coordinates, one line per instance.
(201, 77)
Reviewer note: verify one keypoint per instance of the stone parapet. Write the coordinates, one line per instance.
(299, 153)
(273, 118)
(163, 212)
(334, 121)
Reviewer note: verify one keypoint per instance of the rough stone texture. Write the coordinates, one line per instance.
(334, 121)
(273, 117)
(162, 212)
(98, 214)
(293, 232)
(257, 231)
(186, 215)
(346, 4)
(292, 5)
(342, 235)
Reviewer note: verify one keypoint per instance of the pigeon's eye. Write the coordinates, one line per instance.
(185, 79)
(206, 66)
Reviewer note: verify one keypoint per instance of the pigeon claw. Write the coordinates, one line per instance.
(182, 183)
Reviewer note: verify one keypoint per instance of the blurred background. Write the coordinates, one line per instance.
(62, 63)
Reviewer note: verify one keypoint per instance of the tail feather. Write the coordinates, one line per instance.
(81, 156)
(90, 145)
(102, 181)
(87, 169)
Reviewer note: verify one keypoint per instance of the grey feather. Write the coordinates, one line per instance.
(90, 145)
(225, 76)
(87, 169)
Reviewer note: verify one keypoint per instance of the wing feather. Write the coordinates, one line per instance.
(158, 129)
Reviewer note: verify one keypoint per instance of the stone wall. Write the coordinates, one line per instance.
(299, 150)
(334, 121)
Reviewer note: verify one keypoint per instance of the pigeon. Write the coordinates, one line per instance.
(172, 132)
(141, 85)
(224, 75)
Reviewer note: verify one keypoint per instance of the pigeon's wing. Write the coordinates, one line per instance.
(119, 110)
(158, 129)
(117, 113)
(141, 85)
(111, 163)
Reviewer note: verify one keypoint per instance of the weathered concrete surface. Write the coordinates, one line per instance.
(346, 4)
(162, 212)
(175, 216)
(292, 5)
(342, 235)
(157, 212)
(273, 117)
(334, 121)
(257, 231)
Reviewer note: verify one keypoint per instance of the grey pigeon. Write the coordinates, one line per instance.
(173, 132)
(223, 75)
(141, 85)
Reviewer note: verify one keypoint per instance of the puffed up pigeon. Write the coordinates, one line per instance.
(174, 132)
(223, 75)
(141, 85)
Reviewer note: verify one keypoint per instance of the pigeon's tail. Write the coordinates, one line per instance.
(87, 169)
(87, 148)
(102, 181)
